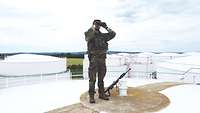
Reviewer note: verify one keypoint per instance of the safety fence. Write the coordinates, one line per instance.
(187, 76)
(130, 74)
(11, 81)
(181, 76)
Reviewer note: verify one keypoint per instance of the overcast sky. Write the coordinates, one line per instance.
(58, 25)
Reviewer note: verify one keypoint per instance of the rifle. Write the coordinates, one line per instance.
(115, 82)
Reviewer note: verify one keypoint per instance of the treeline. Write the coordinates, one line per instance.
(68, 54)
(55, 54)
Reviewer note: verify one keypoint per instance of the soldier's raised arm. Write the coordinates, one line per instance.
(110, 35)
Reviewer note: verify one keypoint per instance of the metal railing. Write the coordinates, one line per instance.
(12, 81)
(190, 70)
(130, 74)
(191, 76)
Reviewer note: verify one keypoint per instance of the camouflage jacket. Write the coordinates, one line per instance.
(97, 41)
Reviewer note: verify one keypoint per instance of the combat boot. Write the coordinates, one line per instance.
(92, 100)
(91, 91)
(103, 97)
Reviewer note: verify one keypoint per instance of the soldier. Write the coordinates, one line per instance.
(97, 45)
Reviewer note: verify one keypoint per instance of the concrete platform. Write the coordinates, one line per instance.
(140, 99)
(137, 100)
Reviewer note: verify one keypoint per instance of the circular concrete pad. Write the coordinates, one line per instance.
(137, 101)
(141, 99)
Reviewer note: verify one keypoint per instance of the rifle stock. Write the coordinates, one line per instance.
(115, 82)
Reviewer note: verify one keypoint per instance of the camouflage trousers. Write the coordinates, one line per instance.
(97, 69)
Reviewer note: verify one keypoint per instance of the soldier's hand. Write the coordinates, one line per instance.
(104, 25)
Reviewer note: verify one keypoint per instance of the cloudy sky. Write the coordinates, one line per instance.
(58, 25)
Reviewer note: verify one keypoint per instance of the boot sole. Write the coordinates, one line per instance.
(103, 98)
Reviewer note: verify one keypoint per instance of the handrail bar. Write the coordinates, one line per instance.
(189, 70)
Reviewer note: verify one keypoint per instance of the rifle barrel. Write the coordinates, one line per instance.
(115, 82)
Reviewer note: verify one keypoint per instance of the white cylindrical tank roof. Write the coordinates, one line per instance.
(30, 58)
(170, 54)
(31, 64)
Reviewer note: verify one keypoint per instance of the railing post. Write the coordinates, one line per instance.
(194, 79)
(70, 74)
(6, 82)
(41, 78)
(24, 80)
(56, 77)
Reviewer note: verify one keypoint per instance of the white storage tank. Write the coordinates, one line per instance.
(30, 64)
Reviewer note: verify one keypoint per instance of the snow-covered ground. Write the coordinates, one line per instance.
(184, 99)
(43, 97)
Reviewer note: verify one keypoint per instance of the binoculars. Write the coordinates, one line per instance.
(99, 23)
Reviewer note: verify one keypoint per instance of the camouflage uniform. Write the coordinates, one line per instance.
(97, 48)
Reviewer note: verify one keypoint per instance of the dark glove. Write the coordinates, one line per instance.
(104, 25)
